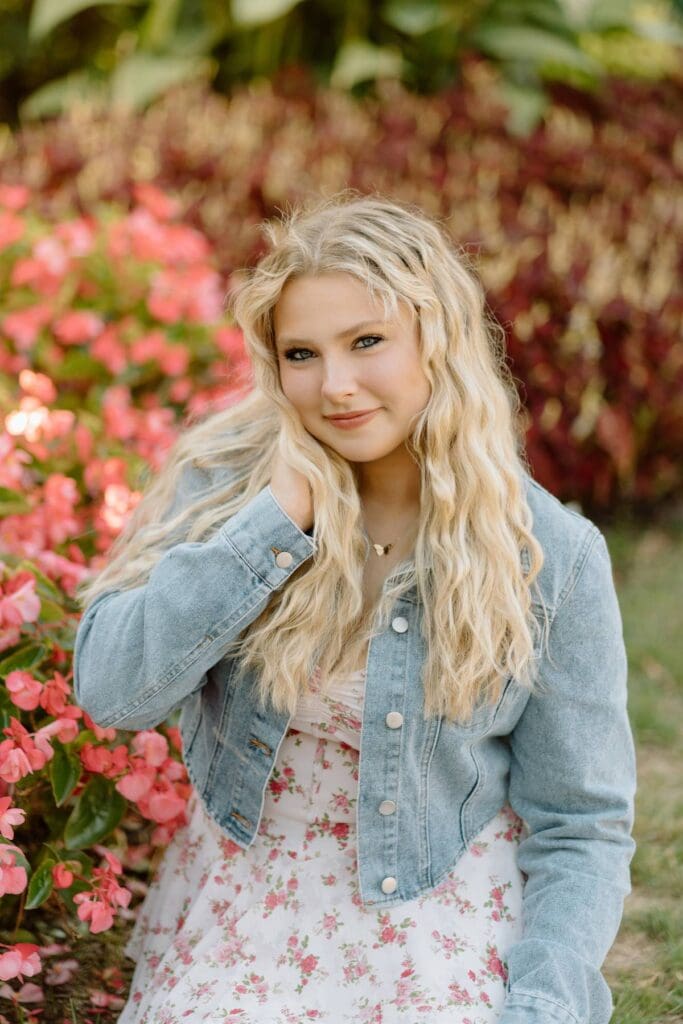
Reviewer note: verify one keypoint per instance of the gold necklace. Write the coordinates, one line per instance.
(383, 549)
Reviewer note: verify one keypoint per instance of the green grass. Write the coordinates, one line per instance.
(645, 966)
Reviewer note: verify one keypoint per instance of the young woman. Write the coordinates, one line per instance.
(398, 659)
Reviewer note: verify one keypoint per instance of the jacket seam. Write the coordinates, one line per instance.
(514, 992)
(577, 568)
(295, 525)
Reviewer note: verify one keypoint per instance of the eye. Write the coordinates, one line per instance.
(292, 354)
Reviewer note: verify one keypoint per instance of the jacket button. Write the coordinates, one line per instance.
(389, 885)
(283, 560)
(399, 624)
(394, 719)
(387, 807)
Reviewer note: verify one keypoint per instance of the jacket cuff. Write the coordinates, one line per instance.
(260, 532)
(528, 1009)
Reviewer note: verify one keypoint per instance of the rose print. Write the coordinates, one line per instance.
(387, 932)
(500, 911)
(281, 929)
(448, 945)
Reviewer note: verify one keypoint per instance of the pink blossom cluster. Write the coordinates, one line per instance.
(157, 784)
(96, 370)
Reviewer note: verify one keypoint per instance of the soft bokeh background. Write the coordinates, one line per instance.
(142, 143)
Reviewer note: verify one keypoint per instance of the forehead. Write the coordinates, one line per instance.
(328, 303)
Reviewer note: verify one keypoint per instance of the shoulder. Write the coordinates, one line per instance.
(566, 537)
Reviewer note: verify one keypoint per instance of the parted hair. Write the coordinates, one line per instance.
(475, 559)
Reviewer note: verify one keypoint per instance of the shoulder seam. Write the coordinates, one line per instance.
(592, 535)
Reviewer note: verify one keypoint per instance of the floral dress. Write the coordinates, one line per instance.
(277, 934)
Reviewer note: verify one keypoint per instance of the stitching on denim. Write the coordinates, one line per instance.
(514, 992)
(577, 568)
(242, 558)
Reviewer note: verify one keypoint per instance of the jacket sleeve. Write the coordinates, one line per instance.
(572, 780)
(140, 652)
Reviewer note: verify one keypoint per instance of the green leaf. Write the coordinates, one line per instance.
(12, 502)
(78, 87)
(526, 43)
(416, 19)
(525, 104)
(360, 61)
(44, 583)
(41, 885)
(47, 14)
(50, 611)
(142, 77)
(65, 772)
(26, 658)
(98, 811)
(78, 364)
(247, 13)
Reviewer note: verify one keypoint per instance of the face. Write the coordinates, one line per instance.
(338, 354)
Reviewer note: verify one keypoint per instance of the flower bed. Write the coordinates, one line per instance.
(574, 230)
(112, 332)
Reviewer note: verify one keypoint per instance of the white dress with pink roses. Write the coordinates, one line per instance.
(277, 934)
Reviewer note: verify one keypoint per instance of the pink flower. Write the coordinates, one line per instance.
(20, 602)
(65, 729)
(61, 972)
(14, 197)
(24, 325)
(24, 691)
(110, 351)
(61, 876)
(78, 236)
(77, 327)
(11, 228)
(151, 746)
(38, 385)
(99, 914)
(309, 964)
(137, 783)
(495, 966)
(10, 816)
(160, 205)
(105, 1000)
(13, 877)
(56, 692)
(103, 761)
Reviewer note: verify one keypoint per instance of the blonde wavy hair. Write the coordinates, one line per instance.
(472, 578)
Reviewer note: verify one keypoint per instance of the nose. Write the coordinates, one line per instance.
(338, 380)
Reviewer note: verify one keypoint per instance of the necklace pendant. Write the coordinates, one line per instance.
(382, 549)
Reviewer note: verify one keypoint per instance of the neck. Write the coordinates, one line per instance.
(391, 486)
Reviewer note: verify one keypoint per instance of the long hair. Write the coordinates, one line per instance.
(475, 559)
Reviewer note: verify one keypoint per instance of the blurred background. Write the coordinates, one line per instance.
(141, 145)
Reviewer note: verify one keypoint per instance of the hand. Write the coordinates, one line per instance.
(292, 491)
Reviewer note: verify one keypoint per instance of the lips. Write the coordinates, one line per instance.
(344, 417)
(358, 419)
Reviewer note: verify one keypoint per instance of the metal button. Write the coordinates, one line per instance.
(387, 807)
(283, 560)
(394, 719)
(389, 885)
(399, 624)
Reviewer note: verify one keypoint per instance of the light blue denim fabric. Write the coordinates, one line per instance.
(563, 760)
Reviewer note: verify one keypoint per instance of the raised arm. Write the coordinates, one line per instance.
(572, 780)
(140, 652)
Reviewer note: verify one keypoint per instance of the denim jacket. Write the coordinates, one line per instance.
(563, 759)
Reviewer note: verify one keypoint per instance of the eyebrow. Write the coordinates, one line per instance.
(342, 334)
